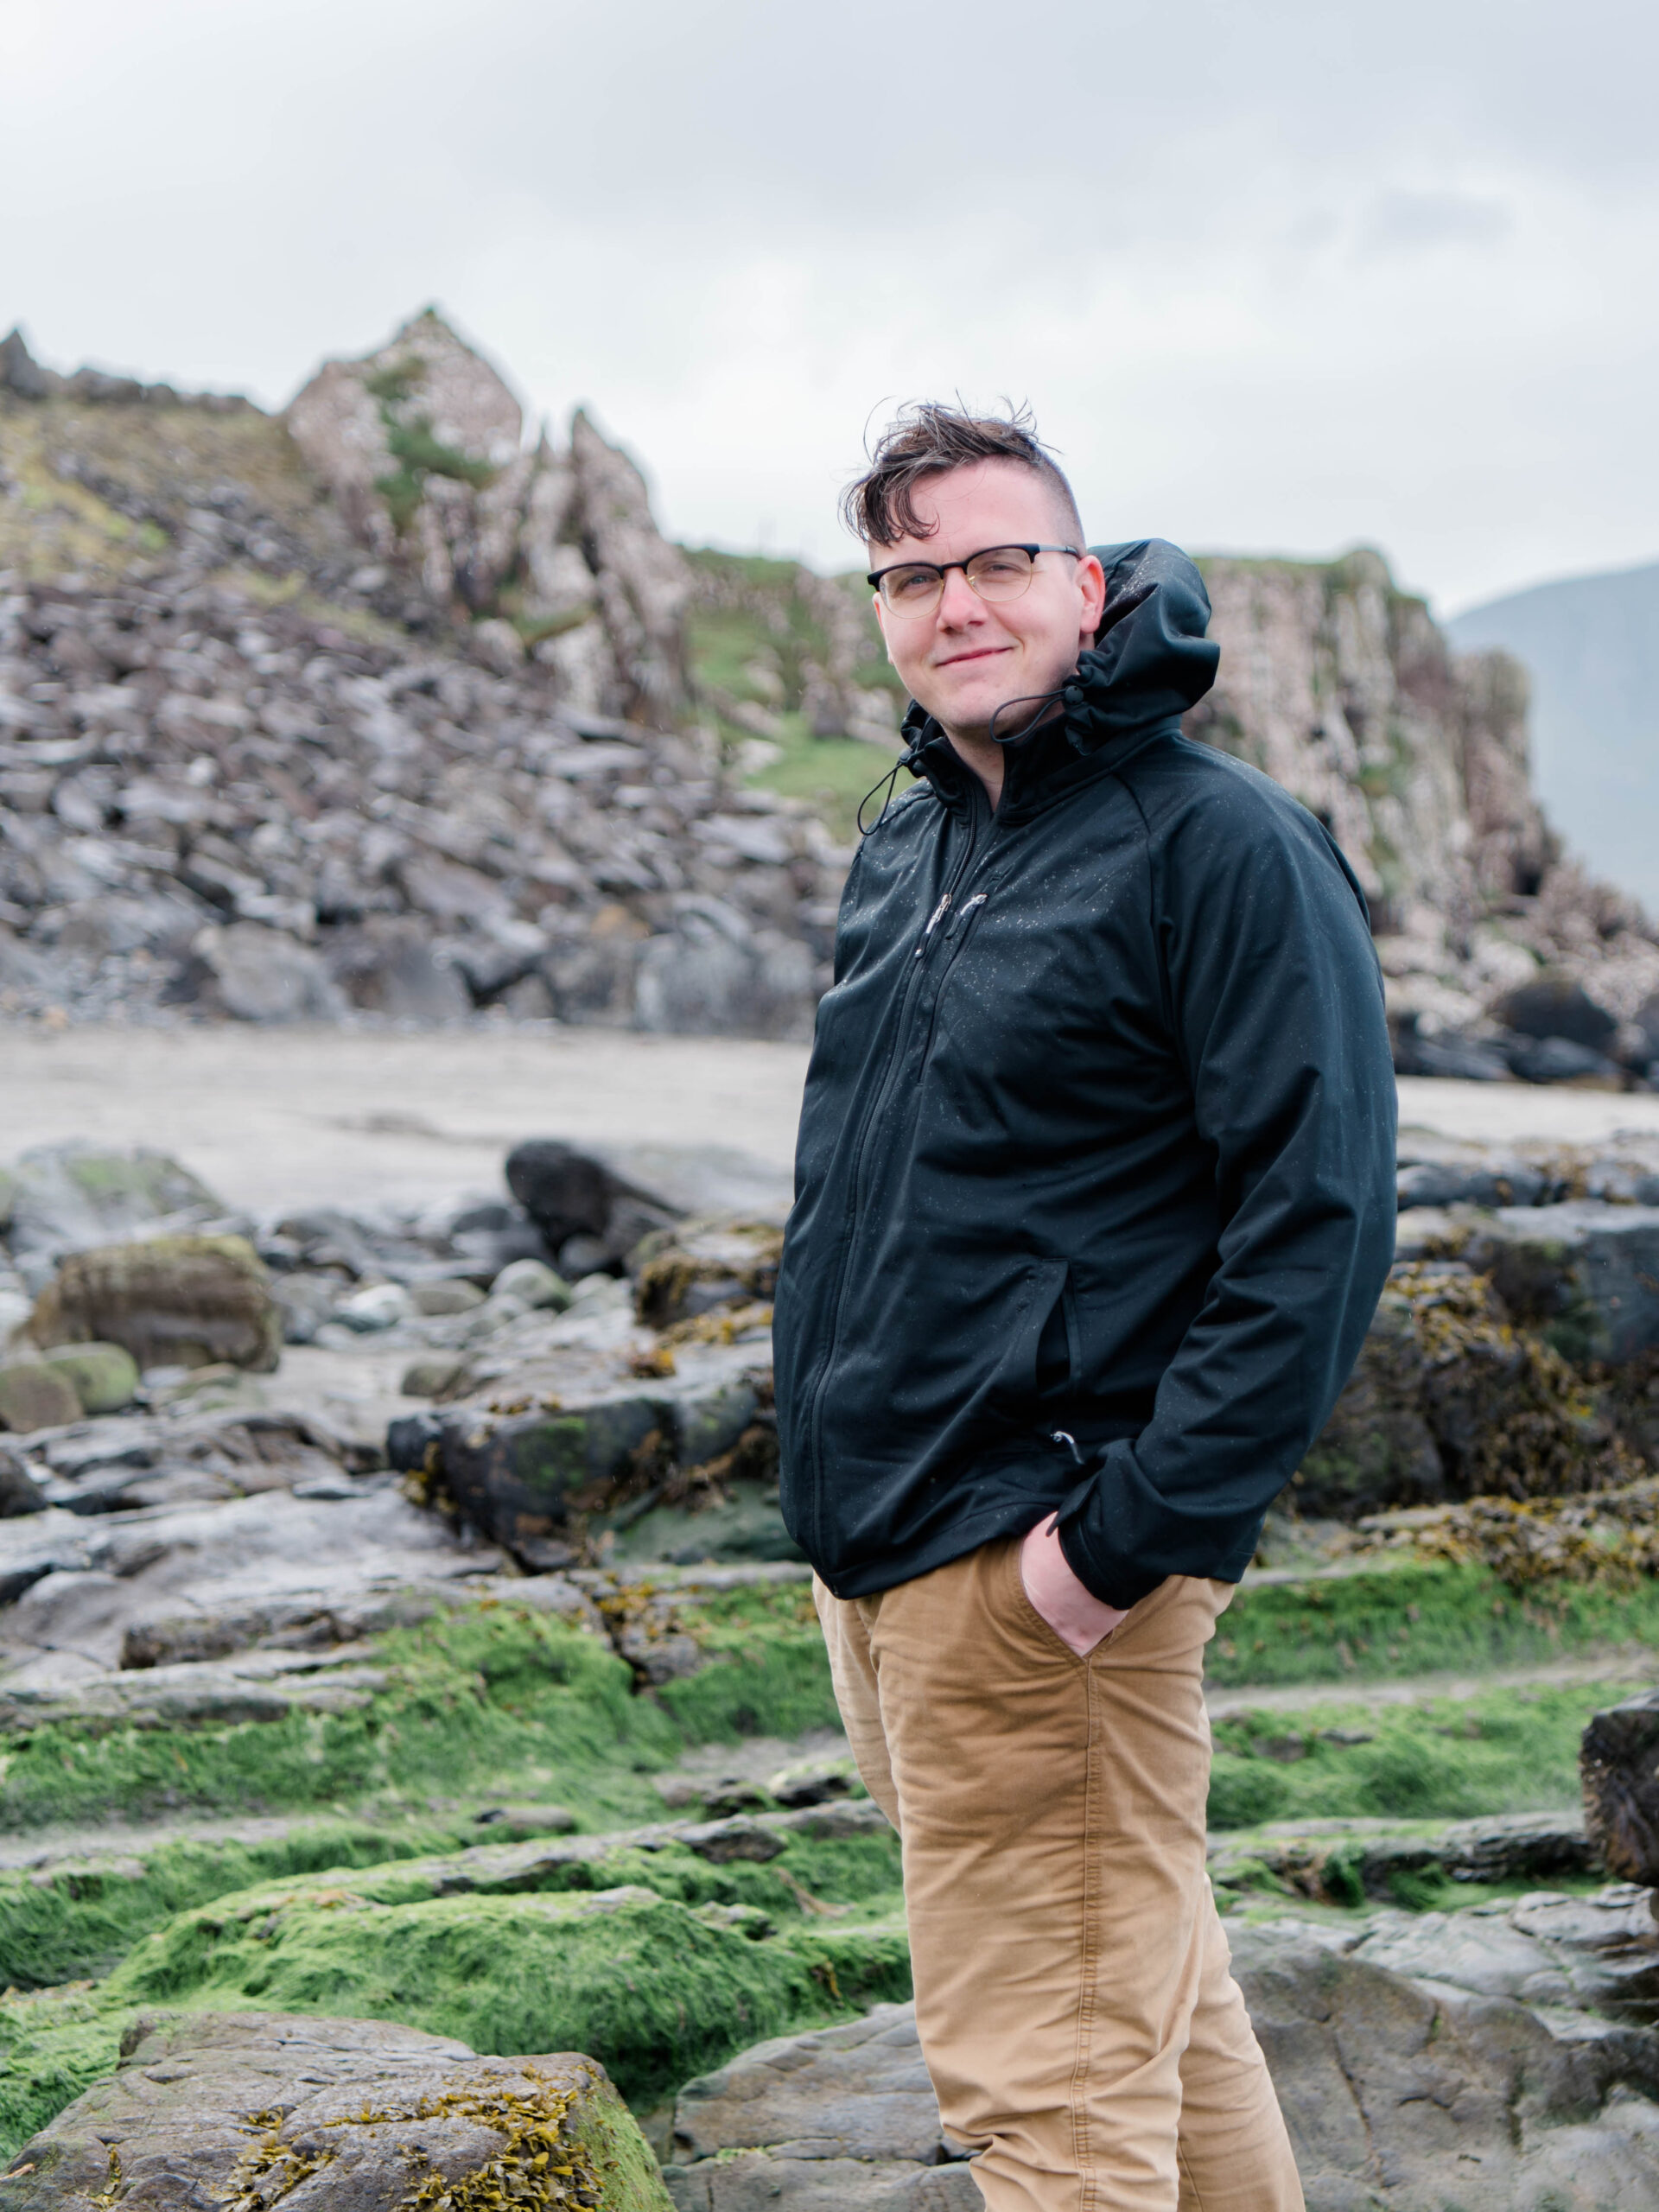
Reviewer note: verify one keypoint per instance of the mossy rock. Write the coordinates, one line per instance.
(1451, 1399)
(241, 2109)
(648, 1985)
(103, 1377)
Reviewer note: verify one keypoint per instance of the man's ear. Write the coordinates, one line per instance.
(1091, 585)
(880, 624)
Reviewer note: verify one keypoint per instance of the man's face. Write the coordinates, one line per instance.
(967, 656)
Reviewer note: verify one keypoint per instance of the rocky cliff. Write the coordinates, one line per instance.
(369, 710)
(377, 708)
(1343, 688)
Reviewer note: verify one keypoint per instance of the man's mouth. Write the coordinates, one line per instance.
(980, 652)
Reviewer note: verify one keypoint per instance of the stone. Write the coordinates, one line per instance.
(385, 967)
(1619, 1767)
(376, 1306)
(1556, 1007)
(33, 1395)
(1449, 1399)
(431, 1378)
(307, 1302)
(189, 1301)
(19, 1491)
(1584, 1273)
(568, 1193)
(63, 1197)
(345, 2115)
(266, 976)
(103, 1377)
(453, 1294)
(536, 1287)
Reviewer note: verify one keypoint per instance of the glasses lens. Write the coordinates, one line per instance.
(1003, 573)
(912, 591)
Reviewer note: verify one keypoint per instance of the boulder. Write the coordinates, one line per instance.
(103, 1377)
(184, 1301)
(266, 976)
(1557, 1007)
(63, 1197)
(572, 1195)
(592, 1464)
(347, 2115)
(1618, 1768)
(33, 1395)
(19, 1491)
(1584, 1273)
(1449, 1399)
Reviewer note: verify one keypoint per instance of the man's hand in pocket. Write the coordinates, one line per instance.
(1077, 1616)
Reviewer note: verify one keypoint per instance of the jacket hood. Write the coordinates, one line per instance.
(1149, 662)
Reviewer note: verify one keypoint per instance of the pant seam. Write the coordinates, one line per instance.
(1188, 2176)
(1083, 2149)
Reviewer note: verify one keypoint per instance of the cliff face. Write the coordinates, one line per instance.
(1343, 690)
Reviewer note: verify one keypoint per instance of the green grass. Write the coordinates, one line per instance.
(834, 773)
(750, 615)
(1420, 1620)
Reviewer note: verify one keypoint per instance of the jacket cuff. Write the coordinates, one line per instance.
(1116, 1581)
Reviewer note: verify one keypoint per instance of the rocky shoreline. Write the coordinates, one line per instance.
(347, 1733)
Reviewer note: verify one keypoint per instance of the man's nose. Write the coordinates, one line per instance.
(958, 602)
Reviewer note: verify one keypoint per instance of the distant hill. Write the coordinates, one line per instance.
(1591, 646)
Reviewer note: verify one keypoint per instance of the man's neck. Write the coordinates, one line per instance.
(984, 756)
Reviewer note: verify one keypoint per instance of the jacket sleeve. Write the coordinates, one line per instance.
(1276, 1001)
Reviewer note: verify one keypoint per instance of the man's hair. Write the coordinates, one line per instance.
(926, 439)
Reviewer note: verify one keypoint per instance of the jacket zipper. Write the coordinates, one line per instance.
(895, 1057)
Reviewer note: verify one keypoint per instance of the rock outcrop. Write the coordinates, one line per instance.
(1342, 687)
(234, 648)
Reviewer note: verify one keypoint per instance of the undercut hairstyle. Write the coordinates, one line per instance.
(927, 439)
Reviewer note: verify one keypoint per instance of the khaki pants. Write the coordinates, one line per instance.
(1073, 1997)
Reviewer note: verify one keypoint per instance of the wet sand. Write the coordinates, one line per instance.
(271, 1117)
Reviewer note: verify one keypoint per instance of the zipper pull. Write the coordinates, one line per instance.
(933, 921)
(1060, 1436)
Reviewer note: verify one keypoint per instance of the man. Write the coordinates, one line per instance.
(1095, 1196)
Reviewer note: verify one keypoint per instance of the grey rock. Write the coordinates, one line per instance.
(63, 1197)
(1587, 1274)
(337, 2115)
(264, 976)
(1396, 2094)
(20, 1493)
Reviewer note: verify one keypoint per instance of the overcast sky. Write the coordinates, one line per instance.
(1275, 277)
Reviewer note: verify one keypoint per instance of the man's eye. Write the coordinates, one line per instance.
(911, 583)
(997, 565)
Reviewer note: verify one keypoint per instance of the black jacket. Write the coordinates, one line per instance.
(1098, 1143)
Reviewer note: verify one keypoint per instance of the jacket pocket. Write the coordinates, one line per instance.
(1058, 1351)
(1035, 1332)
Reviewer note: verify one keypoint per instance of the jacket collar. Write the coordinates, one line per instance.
(1149, 662)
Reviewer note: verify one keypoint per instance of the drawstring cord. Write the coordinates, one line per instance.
(1043, 700)
(906, 760)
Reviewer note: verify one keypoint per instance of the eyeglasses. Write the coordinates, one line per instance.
(1000, 572)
